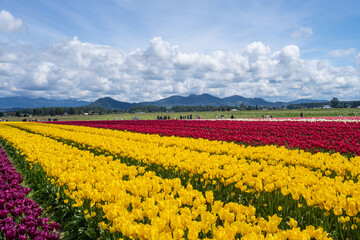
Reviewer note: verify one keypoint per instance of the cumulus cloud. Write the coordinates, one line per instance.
(10, 24)
(302, 31)
(357, 60)
(342, 52)
(75, 69)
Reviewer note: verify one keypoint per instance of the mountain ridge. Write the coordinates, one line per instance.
(27, 102)
(200, 100)
(175, 100)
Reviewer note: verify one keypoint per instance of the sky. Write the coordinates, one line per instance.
(146, 50)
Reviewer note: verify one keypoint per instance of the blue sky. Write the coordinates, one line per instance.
(146, 50)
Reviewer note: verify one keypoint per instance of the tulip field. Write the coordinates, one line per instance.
(181, 179)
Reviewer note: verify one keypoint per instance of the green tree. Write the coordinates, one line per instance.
(18, 114)
(59, 111)
(335, 103)
(72, 111)
(1, 114)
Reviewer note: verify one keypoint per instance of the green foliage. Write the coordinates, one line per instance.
(335, 103)
(147, 109)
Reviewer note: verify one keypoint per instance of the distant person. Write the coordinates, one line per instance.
(301, 114)
(232, 116)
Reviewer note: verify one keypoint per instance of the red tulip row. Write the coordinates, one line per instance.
(342, 137)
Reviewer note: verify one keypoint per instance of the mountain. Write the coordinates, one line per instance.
(209, 100)
(25, 102)
(191, 100)
(110, 103)
(238, 100)
(300, 101)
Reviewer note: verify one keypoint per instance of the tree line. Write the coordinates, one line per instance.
(56, 111)
(59, 111)
(333, 103)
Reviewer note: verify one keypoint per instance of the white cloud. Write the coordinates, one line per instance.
(357, 60)
(302, 31)
(75, 69)
(342, 53)
(10, 24)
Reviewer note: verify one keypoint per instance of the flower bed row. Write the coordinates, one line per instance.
(250, 170)
(20, 217)
(342, 137)
(321, 161)
(136, 202)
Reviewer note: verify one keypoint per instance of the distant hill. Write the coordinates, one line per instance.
(300, 101)
(191, 100)
(238, 100)
(26, 102)
(209, 100)
(109, 103)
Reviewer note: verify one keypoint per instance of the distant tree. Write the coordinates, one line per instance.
(18, 114)
(1, 114)
(72, 111)
(42, 111)
(335, 103)
(162, 109)
(355, 104)
(59, 111)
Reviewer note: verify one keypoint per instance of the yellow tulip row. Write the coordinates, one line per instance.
(252, 169)
(139, 204)
(323, 161)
